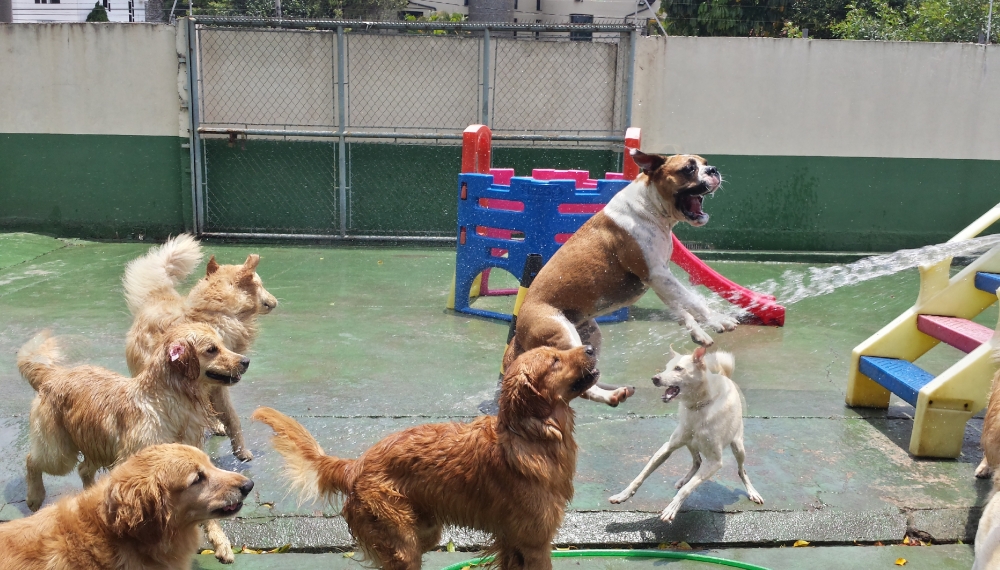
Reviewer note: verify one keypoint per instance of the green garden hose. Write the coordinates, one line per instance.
(673, 554)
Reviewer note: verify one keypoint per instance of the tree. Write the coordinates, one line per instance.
(98, 14)
(917, 20)
(724, 17)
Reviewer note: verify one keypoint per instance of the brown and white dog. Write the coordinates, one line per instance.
(615, 257)
(143, 516)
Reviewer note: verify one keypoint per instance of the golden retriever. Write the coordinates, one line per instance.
(229, 298)
(143, 515)
(108, 417)
(509, 475)
(990, 438)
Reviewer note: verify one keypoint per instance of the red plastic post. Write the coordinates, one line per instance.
(633, 138)
(477, 141)
(762, 306)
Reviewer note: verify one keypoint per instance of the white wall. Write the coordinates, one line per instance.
(756, 96)
(120, 79)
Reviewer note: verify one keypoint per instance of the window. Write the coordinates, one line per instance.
(515, 4)
(581, 19)
(538, 6)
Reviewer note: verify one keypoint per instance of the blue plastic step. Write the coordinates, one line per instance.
(988, 282)
(900, 377)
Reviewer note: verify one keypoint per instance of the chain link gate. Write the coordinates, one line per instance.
(335, 129)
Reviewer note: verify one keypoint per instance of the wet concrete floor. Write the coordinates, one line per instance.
(361, 345)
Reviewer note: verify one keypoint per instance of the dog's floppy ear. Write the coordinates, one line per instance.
(647, 162)
(138, 506)
(523, 408)
(213, 266)
(184, 359)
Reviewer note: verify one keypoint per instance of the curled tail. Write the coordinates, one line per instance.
(162, 268)
(721, 362)
(311, 470)
(39, 358)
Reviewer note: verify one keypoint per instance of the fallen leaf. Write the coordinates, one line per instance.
(801, 543)
(466, 567)
(878, 543)
(348, 555)
(246, 550)
(451, 545)
(900, 562)
(906, 540)
(662, 546)
(684, 546)
(280, 550)
(268, 505)
(380, 262)
(207, 551)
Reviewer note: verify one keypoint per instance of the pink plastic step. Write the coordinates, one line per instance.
(614, 176)
(963, 334)
(502, 176)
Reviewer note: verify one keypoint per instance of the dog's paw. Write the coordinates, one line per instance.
(669, 513)
(681, 482)
(700, 337)
(722, 323)
(755, 497)
(620, 497)
(224, 554)
(217, 428)
(35, 503)
(983, 471)
(243, 454)
(620, 395)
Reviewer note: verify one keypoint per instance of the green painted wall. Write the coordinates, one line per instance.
(843, 204)
(94, 186)
(119, 186)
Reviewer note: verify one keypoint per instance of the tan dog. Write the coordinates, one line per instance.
(143, 516)
(108, 417)
(990, 438)
(229, 298)
(510, 475)
(617, 255)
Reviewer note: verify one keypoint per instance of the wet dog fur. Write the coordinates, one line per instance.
(615, 257)
(229, 297)
(710, 419)
(108, 417)
(143, 515)
(510, 475)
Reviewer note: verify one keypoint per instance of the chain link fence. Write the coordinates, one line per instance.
(325, 128)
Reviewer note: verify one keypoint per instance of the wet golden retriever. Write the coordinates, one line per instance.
(143, 515)
(229, 298)
(108, 417)
(509, 475)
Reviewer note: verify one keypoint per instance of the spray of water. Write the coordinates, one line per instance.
(794, 286)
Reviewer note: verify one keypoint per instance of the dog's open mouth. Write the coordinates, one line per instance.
(690, 203)
(224, 378)
(588, 379)
(229, 510)
(671, 393)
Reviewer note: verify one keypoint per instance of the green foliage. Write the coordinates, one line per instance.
(917, 20)
(437, 17)
(723, 17)
(98, 14)
(351, 9)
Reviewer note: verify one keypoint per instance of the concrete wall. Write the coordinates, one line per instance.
(91, 129)
(828, 145)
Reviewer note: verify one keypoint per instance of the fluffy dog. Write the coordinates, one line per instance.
(617, 255)
(143, 515)
(990, 438)
(229, 298)
(710, 418)
(509, 475)
(108, 417)
(988, 533)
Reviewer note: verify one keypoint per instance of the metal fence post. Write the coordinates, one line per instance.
(486, 77)
(197, 190)
(342, 123)
(630, 74)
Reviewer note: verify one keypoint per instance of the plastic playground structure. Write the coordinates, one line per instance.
(503, 218)
(883, 364)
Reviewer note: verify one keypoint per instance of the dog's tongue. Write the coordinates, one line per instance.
(671, 393)
(694, 205)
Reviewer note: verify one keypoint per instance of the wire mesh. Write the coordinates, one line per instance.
(270, 134)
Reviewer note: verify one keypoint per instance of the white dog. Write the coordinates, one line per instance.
(988, 534)
(711, 417)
